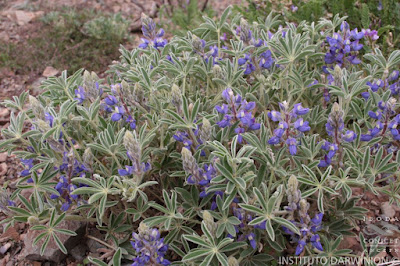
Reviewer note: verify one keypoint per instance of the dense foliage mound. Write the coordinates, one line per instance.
(235, 144)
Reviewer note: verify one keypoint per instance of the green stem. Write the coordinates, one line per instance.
(77, 155)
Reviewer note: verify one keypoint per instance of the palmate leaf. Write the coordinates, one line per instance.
(99, 192)
(50, 231)
(197, 253)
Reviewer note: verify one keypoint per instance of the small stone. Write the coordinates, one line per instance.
(4, 36)
(350, 242)
(3, 169)
(381, 255)
(3, 157)
(369, 195)
(357, 191)
(11, 233)
(27, 192)
(24, 17)
(373, 202)
(4, 112)
(79, 252)
(388, 210)
(22, 237)
(49, 72)
(4, 248)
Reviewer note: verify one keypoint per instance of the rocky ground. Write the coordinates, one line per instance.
(18, 20)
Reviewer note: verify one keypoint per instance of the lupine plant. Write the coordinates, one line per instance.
(233, 145)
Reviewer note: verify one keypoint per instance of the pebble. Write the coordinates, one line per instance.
(4, 112)
(3, 157)
(50, 71)
(388, 210)
(3, 169)
(5, 247)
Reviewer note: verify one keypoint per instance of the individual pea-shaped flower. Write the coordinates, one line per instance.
(110, 100)
(266, 60)
(301, 126)
(300, 247)
(315, 241)
(131, 121)
(331, 148)
(252, 239)
(80, 94)
(129, 170)
(292, 143)
(118, 113)
(300, 110)
(349, 136)
(28, 164)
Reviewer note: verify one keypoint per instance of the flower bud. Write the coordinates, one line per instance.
(232, 261)
(143, 228)
(293, 183)
(86, 77)
(293, 194)
(385, 74)
(132, 146)
(176, 97)
(42, 125)
(33, 220)
(116, 88)
(55, 145)
(304, 206)
(87, 157)
(138, 93)
(91, 85)
(205, 131)
(197, 43)
(148, 26)
(124, 87)
(37, 108)
(245, 32)
(217, 72)
(338, 74)
(209, 222)
(189, 162)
